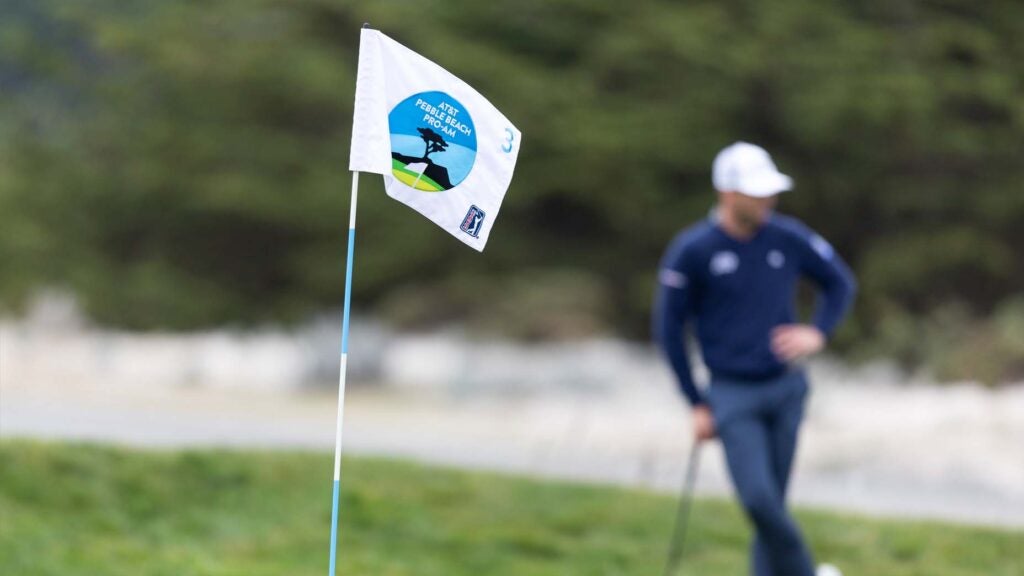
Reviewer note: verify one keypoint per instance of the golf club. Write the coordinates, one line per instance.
(675, 552)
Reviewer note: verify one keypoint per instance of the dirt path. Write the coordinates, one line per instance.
(913, 452)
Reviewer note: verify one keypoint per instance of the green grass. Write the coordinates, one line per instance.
(71, 509)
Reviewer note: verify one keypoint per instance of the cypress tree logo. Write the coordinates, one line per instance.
(433, 142)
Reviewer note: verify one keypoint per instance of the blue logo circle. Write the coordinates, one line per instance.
(433, 142)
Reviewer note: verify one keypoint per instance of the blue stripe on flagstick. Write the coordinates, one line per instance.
(348, 289)
(334, 528)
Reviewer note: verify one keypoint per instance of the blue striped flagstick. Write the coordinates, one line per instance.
(343, 370)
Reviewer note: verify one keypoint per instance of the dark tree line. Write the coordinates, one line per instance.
(181, 165)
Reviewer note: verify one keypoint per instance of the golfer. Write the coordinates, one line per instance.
(733, 277)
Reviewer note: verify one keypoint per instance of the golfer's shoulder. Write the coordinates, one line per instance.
(791, 228)
(691, 242)
(801, 236)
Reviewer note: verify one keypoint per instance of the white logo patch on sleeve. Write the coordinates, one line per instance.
(672, 278)
(822, 247)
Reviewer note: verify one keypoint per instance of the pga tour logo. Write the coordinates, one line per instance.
(473, 222)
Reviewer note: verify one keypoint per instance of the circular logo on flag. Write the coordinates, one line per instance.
(433, 142)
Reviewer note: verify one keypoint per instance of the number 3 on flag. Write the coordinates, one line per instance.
(509, 137)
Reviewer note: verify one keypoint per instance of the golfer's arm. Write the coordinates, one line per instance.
(837, 289)
(670, 309)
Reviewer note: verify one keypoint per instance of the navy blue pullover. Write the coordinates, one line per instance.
(736, 292)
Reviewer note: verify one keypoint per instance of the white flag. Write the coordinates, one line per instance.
(443, 149)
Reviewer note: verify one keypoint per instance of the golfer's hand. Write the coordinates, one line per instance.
(794, 341)
(703, 424)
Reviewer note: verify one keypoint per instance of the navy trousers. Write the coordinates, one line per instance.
(758, 423)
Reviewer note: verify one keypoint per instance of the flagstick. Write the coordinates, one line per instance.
(418, 178)
(343, 370)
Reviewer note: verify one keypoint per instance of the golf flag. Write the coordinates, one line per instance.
(443, 149)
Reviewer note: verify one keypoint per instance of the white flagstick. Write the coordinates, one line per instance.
(418, 178)
(344, 366)
(422, 172)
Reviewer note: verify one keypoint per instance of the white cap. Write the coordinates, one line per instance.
(745, 168)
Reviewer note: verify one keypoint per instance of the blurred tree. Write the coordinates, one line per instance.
(182, 164)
